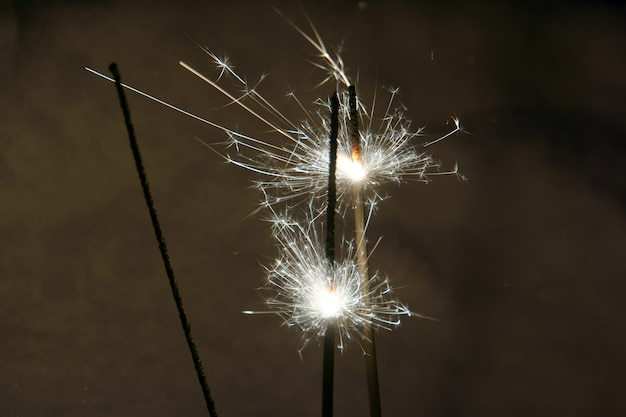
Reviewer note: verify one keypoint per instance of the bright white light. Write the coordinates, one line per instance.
(348, 168)
(329, 302)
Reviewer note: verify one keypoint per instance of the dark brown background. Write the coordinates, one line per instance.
(524, 263)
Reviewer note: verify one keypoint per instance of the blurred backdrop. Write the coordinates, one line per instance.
(524, 264)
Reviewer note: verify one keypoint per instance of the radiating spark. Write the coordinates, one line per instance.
(310, 295)
(297, 169)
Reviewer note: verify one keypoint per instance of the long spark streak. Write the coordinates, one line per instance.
(231, 133)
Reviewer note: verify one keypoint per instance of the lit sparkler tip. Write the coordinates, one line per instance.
(347, 167)
(328, 301)
(298, 168)
(309, 295)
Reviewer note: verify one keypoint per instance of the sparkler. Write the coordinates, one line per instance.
(371, 364)
(306, 296)
(298, 169)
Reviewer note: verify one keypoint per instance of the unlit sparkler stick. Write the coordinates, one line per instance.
(369, 345)
(161, 241)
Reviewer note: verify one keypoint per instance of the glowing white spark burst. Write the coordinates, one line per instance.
(299, 166)
(310, 295)
(351, 169)
(330, 300)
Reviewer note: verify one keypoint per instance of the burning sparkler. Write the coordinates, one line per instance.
(310, 295)
(298, 169)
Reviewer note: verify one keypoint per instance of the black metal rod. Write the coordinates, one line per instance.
(197, 363)
(328, 366)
